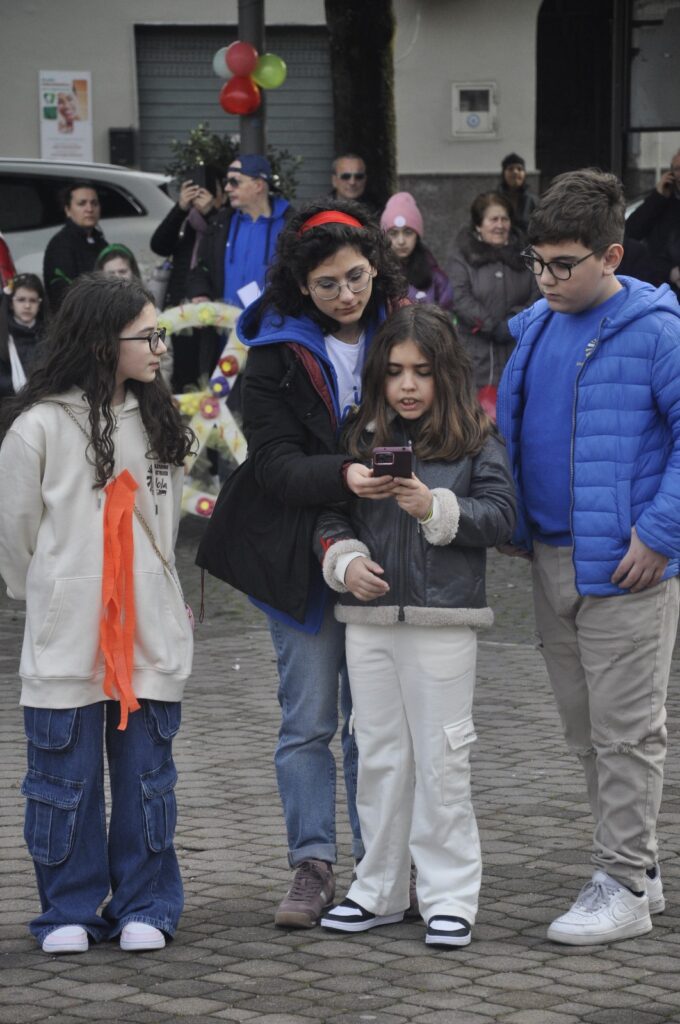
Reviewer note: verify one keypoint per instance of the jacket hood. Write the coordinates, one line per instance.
(478, 253)
(76, 400)
(278, 204)
(642, 299)
(276, 329)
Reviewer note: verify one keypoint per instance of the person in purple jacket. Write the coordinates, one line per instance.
(403, 223)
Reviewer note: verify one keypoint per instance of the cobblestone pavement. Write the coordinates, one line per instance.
(230, 963)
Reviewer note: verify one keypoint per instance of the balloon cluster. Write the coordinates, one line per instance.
(251, 72)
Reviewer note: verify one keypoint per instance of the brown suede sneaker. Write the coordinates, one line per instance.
(313, 890)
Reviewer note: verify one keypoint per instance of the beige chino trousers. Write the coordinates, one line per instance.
(608, 659)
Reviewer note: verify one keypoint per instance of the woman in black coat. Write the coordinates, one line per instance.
(332, 282)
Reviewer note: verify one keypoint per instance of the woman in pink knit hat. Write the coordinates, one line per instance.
(403, 223)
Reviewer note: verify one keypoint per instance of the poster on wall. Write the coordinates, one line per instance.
(65, 115)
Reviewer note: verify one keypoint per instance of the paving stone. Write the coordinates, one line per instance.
(228, 961)
(540, 1017)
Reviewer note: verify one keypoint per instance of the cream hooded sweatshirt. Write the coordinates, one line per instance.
(51, 554)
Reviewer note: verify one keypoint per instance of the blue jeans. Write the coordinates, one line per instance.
(312, 670)
(65, 826)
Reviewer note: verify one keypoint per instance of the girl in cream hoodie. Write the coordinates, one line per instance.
(91, 464)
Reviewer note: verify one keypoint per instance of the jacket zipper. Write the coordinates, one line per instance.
(590, 350)
(404, 535)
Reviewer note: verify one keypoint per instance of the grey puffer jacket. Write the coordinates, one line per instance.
(436, 571)
(490, 285)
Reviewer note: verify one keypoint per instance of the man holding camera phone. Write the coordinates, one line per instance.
(657, 223)
(234, 255)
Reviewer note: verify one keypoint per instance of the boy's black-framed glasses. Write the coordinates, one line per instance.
(154, 339)
(559, 269)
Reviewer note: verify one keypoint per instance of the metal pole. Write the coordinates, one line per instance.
(251, 30)
(620, 73)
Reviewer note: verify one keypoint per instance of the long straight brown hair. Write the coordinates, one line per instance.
(455, 426)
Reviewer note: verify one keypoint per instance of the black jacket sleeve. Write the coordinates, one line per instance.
(165, 237)
(281, 413)
(59, 268)
(487, 514)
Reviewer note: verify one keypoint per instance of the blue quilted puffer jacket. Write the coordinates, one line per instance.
(625, 441)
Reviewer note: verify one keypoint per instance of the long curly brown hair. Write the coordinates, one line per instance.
(81, 351)
(455, 426)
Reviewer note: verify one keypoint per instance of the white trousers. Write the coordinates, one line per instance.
(412, 690)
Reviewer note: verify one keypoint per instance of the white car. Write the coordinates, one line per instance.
(31, 212)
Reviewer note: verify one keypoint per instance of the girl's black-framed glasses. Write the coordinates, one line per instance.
(154, 339)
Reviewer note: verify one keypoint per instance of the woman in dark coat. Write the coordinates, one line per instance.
(179, 236)
(490, 284)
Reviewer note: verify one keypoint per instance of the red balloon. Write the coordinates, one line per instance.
(241, 58)
(240, 96)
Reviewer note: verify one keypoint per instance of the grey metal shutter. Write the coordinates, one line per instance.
(178, 88)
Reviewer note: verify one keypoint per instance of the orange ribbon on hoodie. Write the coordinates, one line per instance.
(117, 627)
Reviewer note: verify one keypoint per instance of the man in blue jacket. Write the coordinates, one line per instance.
(241, 240)
(589, 405)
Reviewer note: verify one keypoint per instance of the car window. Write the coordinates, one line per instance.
(118, 203)
(29, 202)
(23, 204)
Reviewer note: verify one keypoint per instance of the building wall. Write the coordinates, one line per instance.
(443, 41)
(98, 36)
(436, 42)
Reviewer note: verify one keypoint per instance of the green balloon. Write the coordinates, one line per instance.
(270, 71)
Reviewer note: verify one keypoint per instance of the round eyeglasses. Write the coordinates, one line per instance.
(559, 269)
(155, 339)
(326, 289)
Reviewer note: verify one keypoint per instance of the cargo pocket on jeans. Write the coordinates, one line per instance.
(162, 719)
(50, 821)
(160, 806)
(52, 728)
(456, 774)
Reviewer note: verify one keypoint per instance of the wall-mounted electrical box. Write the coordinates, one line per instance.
(474, 109)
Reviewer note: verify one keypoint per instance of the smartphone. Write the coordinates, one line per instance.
(198, 176)
(393, 461)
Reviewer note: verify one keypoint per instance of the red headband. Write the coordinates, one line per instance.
(329, 217)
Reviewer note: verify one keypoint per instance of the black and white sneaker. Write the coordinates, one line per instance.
(348, 916)
(448, 931)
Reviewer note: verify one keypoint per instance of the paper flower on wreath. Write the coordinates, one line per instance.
(210, 408)
(204, 506)
(219, 386)
(220, 315)
(229, 365)
(190, 402)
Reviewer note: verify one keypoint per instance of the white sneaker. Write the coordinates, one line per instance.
(604, 911)
(71, 938)
(136, 936)
(657, 900)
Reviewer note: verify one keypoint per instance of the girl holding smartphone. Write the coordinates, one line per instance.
(410, 569)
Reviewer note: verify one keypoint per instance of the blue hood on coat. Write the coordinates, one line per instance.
(276, 329)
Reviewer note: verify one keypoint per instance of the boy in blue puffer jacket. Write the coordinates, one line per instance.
(589, 405)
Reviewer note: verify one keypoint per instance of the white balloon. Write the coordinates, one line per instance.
(220, 63)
